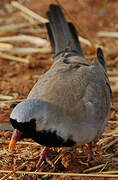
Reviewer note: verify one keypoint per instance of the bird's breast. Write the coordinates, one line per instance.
(51, 139)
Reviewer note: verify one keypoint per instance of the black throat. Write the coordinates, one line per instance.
(51, 139)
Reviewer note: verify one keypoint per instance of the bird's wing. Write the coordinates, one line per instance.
(82, 94)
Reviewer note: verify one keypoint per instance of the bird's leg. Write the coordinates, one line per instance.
(90, 152)
(43, 156)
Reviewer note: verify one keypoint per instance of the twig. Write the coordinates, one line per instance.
(114, 87)
(29, 12)
(23, 38)
(85, 41)
(34, 30)
(104, 167)
(110, 172)
(60, 174)
(13, 101)
(110, 144)
(111, 133)
(94, 168)
(113, 122)
(5, 47)
(14, 171)
(10, 57)
(103, 140)
(114, 79)
(13, 27)
(6, 97)
(29, 18)
(112, 73)
(108, 34)
(28, 51)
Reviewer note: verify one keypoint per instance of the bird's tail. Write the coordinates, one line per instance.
(63, 35)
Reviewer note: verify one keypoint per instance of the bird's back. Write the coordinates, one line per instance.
(81, 92)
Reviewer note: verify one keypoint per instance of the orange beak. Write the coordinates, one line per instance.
(15, 137)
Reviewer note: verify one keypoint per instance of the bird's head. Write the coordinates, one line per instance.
(23, 119)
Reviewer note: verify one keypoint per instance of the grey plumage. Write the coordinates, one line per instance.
(73, 97)
(83, 95)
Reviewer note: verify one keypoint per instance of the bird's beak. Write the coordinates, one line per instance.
(15, 137)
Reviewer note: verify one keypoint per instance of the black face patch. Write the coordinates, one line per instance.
(28, 129)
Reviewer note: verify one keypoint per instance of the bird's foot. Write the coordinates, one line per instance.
(43, 157)
(90, 152)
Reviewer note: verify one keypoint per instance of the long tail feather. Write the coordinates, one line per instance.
(63, 35)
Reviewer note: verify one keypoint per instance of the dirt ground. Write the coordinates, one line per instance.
(17, 79)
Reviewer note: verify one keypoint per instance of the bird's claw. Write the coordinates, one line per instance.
(43, 157)
(90, 152)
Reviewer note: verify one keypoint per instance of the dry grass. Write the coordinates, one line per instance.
(23, 53)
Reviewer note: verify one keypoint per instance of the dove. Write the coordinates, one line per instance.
(70, 104)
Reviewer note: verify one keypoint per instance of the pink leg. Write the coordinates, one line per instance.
(90, 152)
(43, 156)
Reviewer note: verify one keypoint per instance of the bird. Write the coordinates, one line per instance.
(70, 104)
